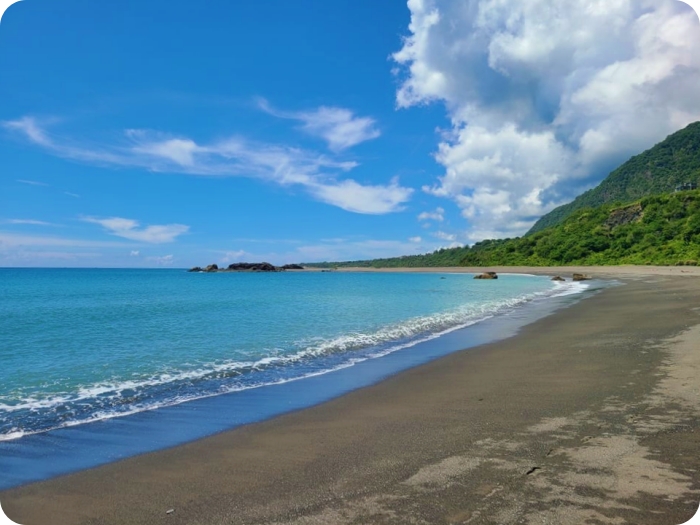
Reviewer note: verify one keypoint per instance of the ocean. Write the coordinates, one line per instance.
(94, 363)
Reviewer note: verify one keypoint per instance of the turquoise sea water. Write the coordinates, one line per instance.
(80, 345)
(101, 364)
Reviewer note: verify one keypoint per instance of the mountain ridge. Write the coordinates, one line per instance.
(673, 161)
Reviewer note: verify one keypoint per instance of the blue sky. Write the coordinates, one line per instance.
(158, 133)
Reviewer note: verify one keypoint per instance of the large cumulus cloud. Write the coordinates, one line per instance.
(545, 97)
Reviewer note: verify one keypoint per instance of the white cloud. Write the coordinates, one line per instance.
(130, 229)
(415, 239)
(230, 256)
(70, 194)
(165, 260)
(35, 132)
(39, 257)
(179, 151)
(437, 215)
(445, 236)
(545, 98)
(13, 240)
(32, 182)
(351, 196)
(351, 250)
(337, 126)
(336, 249)
(32, 222)
(233, 156)
(134, 253)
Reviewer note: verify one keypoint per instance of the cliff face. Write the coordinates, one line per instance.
(626, 215)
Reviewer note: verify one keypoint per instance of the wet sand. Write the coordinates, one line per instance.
(588, 415)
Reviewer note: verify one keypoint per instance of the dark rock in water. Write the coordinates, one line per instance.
(265, 267)
(487, 275)
(581, 277)
(253, 267)
(292, 267)
(558, 278)
(245, 267)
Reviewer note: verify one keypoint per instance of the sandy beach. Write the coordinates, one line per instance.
(586, 416)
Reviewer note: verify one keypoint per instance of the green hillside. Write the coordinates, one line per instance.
(659, 229)
(658, 170)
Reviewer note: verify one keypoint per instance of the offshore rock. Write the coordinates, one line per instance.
(253, 267)
(558, 278)
(581, 277)
(487, 275)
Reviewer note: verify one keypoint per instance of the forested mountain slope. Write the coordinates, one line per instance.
(672, 162)
(659, 229)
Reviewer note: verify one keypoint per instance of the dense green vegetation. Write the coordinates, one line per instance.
(442, 257)
(659, 229)
(658, 170)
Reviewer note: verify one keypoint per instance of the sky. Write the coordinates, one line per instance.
(173, 134)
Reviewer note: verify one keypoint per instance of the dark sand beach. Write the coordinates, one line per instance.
(589, 415)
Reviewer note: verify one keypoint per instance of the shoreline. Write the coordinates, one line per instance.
(458, 439)
(110, 439)
(601, 272)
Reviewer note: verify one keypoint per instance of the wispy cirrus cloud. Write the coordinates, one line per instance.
(15, 240)
(339, 127)
(131, 229)
(32, 182)
(32, 135)
(36, 133)
(234, 156)
(31, 222)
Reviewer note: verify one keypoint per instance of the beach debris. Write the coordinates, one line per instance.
(558, 278)
(533, 470)
(170, 511)
(487, 275)
(581, 277)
